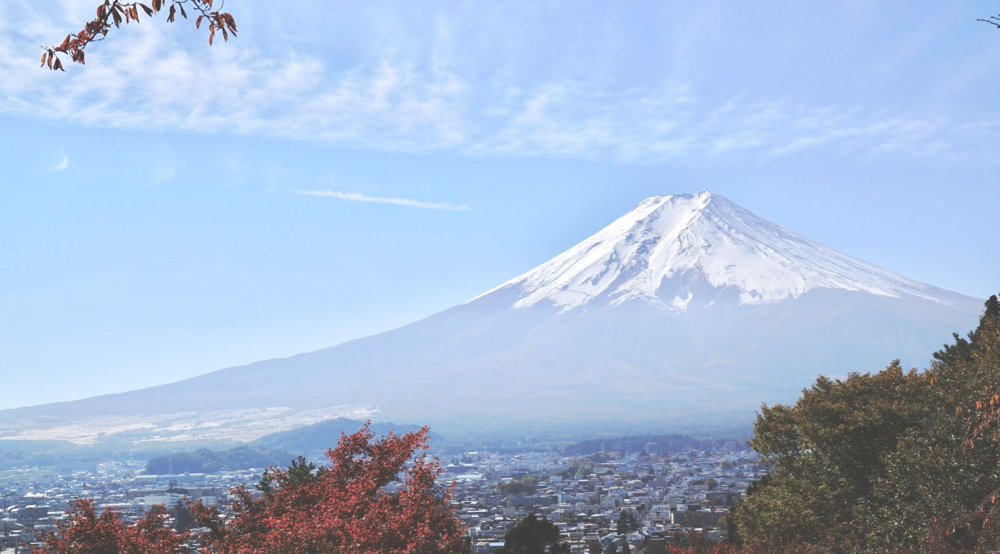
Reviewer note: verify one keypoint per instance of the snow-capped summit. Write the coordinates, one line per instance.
(687, 241)
(692, 311)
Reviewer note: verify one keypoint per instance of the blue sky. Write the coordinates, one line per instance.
(343, 168)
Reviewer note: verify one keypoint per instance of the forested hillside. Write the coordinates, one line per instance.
(204, 460)
(891, 461)
(315, 439)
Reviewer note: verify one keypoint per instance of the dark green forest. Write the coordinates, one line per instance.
(314, 440)
(898, 460)
(204, 460)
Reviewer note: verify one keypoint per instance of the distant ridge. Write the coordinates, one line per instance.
(316, 439)
(688, 311)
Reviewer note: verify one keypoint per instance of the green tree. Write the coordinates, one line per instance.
(654, 547)
(183, 518)
(962, 350)
(299, 473)
(942, 472)
(891, 461)
(533, 535)
(527, 484)
(628, 522)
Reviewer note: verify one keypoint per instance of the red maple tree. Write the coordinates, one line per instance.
(85, 532)
(377, 496)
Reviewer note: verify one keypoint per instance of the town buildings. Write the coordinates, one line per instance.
(664, 498)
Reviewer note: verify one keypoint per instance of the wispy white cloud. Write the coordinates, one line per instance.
(414, 93)
(359, 197)
(63, 163)
(162, 174)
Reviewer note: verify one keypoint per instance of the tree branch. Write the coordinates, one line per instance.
(116, 12)
(993, 20)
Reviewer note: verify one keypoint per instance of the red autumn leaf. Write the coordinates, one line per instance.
(116, 12)
(85, 532)
(376, 496)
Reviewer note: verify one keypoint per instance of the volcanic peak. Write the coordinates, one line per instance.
(691, 240)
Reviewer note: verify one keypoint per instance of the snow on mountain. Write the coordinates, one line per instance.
(666, 237)
(687, 310)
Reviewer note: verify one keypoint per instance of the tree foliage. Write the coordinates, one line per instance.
(204, 460)
(315, 439)
(376, 496)
(85, 532)
(115, 12)
(533, 535)
(628, 522)
(527, 484)
(896, 460)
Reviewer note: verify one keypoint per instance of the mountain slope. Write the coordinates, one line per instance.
(667, 236)
(687, 310)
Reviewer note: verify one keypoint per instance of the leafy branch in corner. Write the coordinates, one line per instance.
(116, 12)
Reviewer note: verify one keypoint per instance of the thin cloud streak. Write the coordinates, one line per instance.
(63, 163)
(408, 202)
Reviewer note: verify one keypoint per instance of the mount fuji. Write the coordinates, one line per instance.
(683, 240)
(686, 311)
